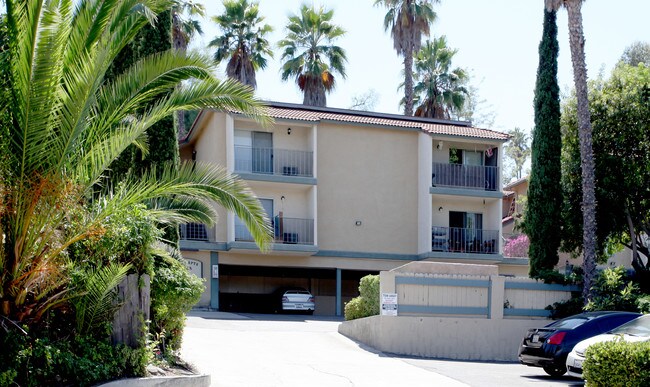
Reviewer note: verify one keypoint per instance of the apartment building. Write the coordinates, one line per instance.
(349, 193)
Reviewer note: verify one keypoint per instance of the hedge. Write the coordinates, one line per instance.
(617, 363)
(367, 304)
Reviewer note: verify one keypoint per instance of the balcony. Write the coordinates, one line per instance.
(286, 231)
(272, 161)
(476, 177)
(465, 240)
(193, 232)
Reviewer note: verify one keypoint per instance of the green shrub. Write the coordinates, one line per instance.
(643, 303)
(367, 304)
(174, 290)
(613, 292)
(79, 361)
(566, 308)
(617, 363)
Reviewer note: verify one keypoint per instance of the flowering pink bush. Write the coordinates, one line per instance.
(516, 246)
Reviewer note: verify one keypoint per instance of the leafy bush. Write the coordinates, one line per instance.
(617, 363)
(643, 303)
(367, 304)
(612, 292)
(566, 308)
(517, 246)
(79, 361)
(174, 290)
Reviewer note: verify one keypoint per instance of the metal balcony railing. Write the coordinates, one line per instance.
(193, 232)
(274, 161)
(465, 240)
(286, 231)
(465, 176)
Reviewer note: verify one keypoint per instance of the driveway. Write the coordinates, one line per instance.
(289, 350)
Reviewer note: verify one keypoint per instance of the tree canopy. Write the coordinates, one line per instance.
(620, 107)
(310, 55)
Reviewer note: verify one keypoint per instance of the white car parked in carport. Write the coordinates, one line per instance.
(634, 331)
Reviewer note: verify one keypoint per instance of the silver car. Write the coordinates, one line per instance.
(633, 331)
(298, 300)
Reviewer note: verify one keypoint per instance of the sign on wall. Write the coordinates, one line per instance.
(389, 304)
(195, 267)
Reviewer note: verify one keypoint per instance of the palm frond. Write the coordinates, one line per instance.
(95, 302)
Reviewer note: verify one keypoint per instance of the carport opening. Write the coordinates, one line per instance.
(250, 289)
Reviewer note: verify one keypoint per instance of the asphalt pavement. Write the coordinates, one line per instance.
(293, 350)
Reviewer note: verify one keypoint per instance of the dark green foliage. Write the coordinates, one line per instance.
(612, 290)
(567, 308)
(367, 304)
(617, 364)
(620, 110)
(126, 237)
(174, 290)
(544, 193)
(77, 360)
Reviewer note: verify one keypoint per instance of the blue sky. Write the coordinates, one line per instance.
(497, 41)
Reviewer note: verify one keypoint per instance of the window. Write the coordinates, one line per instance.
(253, 151)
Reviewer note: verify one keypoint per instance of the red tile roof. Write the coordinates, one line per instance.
(441, 127)
(286, 111)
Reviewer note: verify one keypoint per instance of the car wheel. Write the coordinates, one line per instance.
(555, 371)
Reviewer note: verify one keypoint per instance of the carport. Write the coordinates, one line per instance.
(250, 288)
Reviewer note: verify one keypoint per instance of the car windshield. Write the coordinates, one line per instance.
(637, 327)
(569, 322)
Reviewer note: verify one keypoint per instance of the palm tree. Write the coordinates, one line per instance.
(306, 47)
(439, 91)
(243, 42)
(184, 27)
(408, 20)
(577, 44)
(68, 123)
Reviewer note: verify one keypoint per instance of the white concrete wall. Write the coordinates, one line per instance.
(441, 337)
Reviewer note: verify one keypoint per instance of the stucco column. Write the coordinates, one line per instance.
(496, 296)
(214, 282)
(338, 292)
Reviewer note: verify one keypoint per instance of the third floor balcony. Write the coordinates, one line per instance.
(477, 177)
(273, 161)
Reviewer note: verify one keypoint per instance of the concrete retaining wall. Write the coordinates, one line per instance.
(442, 337)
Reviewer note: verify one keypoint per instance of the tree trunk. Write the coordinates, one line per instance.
(314, 92)
(179, 43)
(408, 81)
(577, 43)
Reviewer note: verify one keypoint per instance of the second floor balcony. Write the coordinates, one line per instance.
(465, 240)
(285, 230)
(476, 177)
(274, 161)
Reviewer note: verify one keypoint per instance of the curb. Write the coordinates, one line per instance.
(162, 381)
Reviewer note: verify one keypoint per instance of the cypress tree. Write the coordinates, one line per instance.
(542, 224)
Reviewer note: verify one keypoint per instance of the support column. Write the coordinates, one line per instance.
(496, 297)
(214, 282)
(338, 292)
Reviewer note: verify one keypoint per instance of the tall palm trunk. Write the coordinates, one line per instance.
(408, 80)
(314, 92)
(179, 43)
(577, 44)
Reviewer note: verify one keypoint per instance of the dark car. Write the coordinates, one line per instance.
(548, 347)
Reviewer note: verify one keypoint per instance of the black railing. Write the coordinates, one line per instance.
(285, 230)
(272, 161)
(465, 176)
(465, 240)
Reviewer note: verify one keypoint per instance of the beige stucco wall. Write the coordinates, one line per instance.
(297, 201)
(441, 337)
(204, 258)
(368, 175)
